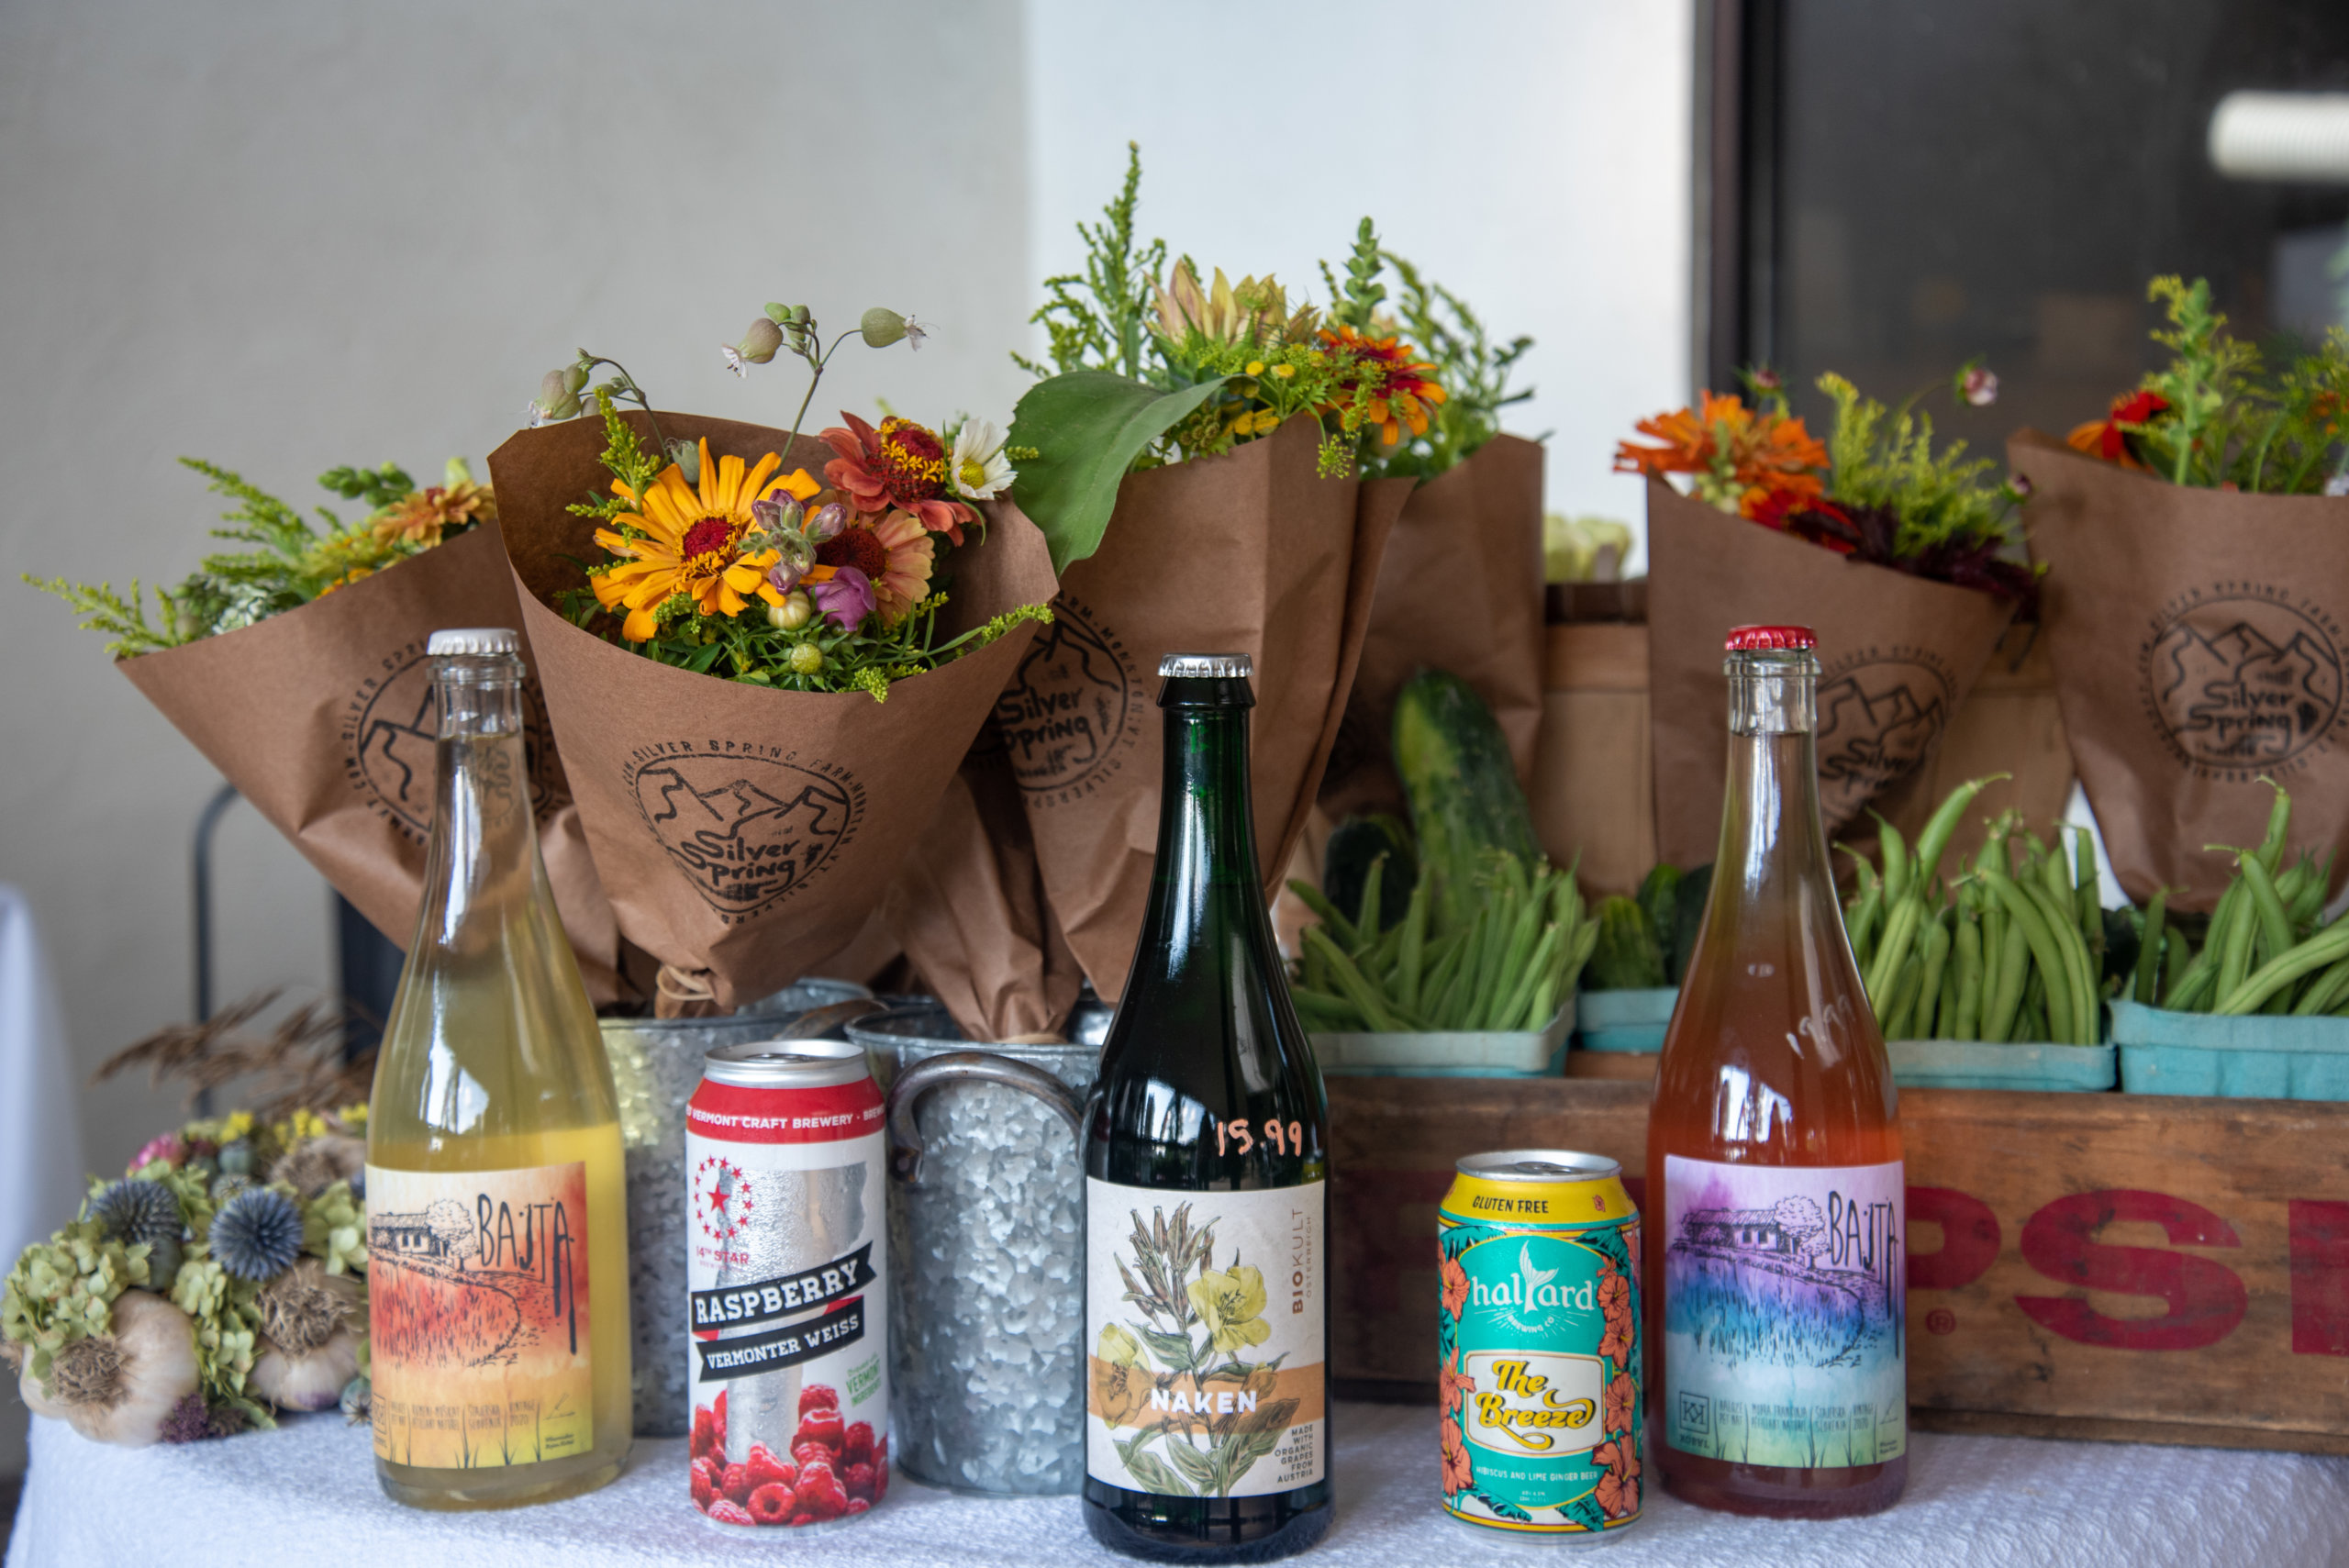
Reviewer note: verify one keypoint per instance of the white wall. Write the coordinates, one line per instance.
(1532, 155)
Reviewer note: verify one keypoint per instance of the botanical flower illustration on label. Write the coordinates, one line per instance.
(1785, 1295)
(477, 1316)
(1205, 1317)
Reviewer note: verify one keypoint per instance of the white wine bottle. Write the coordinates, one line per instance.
(496, 1210)
(1205, 1163)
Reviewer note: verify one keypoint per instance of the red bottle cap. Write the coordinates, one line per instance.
(1746, 638)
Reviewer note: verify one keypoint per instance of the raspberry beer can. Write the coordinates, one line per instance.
(1538, 1340)
(787, 1195)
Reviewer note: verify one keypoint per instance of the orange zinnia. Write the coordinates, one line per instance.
(1390, 386)
(691, 542)
(1738, 456)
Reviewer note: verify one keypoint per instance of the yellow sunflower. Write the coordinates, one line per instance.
(691, 542)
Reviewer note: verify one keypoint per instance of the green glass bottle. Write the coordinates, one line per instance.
(1207, 1165)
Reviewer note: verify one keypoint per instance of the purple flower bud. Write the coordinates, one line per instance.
(1978, 386)
(784, 574)
(779, 513)
(827, 522)
(2020, 483)
(846, 600)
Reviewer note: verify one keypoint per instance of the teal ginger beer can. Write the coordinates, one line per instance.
(1538, 1344)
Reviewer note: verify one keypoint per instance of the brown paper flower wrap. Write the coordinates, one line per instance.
(2200, 639)
(1459, 590)
(969, 908)
(745, 833)
(1251, 552)
(323, 717)
(1896, 655)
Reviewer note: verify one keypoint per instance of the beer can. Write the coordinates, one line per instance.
(1538, 1340)
(787, 1202)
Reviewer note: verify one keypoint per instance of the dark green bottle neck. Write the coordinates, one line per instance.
(1207, 874)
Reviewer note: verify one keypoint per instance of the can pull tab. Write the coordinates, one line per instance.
(906, 1094)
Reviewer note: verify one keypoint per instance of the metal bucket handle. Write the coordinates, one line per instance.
(905, 1137)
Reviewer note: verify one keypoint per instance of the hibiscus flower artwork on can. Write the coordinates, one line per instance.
(1538, 1344)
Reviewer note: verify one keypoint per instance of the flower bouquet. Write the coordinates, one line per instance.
(1902, 557)
(222, 1279)
(1471, 523)
(2198, 610)
(766, 678)
(1192, 452)
(297, 667)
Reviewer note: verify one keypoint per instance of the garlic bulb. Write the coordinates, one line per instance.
(311, 1381)
(118, 1387)
(306, 1354)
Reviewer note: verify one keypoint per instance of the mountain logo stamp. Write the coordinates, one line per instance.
(389, 727)
(2242, 678)
(1073, 710)
(745, 822)
(1880, 710)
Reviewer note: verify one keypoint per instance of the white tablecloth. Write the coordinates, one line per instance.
(307, 1493)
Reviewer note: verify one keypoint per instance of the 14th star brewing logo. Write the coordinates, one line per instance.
(723, 1200)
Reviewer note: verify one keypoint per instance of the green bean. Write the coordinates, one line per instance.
(1341, 928)
(2091, 904)
(1897, 870)
(1445, 1009)
(1944, 1025)
(2052, 967)
(2191, 993)
(2030, 1023)
(1943, 825)
(1899, 933)
(2234, 957)
(1929, 983)
(2275, 924)
(2323, 951)
(1968, 1012)
(2149, 949)
(1318, 1011)
(1410, 948)
(1893, 1019)
(2079, 980)
(2326, 992)
(2014, 974)
(1511, 1012)
(2311, 903)
(1860, 922)
(2279, 822)
(1994, 950)
(1351, 985)
(1315, 973)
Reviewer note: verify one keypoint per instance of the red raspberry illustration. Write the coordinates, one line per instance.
(798, 1520)
(735, 1482)
(766, 1469)
(856, 1446)
(705, 1484)
(705, 1431)
(821, 1426)
(727, 1511)
(855, 1506)
(820, 1493)
(812, 1453)
(771, 1505)
(819, 1397)
(857, 1479)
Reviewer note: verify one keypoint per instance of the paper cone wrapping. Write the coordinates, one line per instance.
(1459, 590)
(745, 834)
(1249, 552)
(325, 719)
(1896, 655)
(970, 911)
(2200, 639)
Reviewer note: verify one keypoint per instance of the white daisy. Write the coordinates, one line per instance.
(979, 468)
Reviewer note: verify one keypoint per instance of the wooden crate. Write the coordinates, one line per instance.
(2137, 1268)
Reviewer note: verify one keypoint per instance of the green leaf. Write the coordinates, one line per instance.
(1508, 1510)
(1174, 1350)
(1156, 1477)
(1087, 426)
(1197, 1466)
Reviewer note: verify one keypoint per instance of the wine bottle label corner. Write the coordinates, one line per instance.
(1207, 1375)
(1785, 1313)
(478, 1315)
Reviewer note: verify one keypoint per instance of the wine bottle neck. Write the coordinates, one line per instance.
(1207, 835)
(1772, 833)
(483, 851)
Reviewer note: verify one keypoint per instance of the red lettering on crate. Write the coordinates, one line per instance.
(2206, 1299)
(1969, 1238)
(2320, 1243)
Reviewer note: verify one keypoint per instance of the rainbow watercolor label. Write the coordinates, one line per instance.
(1539, 1338)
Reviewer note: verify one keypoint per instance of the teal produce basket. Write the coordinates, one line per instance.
(1625, 1020)
(1447, 1053)
(1979, 1065)
(2260, 1057)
